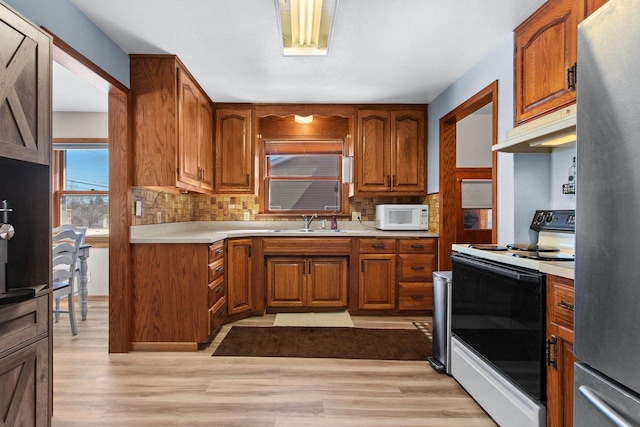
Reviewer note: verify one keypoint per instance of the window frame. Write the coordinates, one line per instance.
(292, 146)
(58, 180)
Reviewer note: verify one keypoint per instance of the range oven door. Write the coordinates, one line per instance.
(498, 311)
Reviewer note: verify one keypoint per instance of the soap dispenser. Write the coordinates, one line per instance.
(334, 223)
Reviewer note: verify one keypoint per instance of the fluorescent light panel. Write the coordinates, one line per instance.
(306, 25)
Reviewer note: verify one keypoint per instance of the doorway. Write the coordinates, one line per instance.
(466, 214)
(120, 181)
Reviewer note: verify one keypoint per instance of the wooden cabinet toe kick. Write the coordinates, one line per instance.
(164, 346)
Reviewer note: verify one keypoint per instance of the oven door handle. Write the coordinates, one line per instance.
(512, 274)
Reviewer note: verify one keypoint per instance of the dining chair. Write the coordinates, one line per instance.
(67, 240)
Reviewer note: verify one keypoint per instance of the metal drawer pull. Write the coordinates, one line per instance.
(417, 246)
(218, 251)
(221, 313)
(417, 268)
(565, 305)
(417, 297)
(218, 269)
(601, 406)
(218, 289)
(378, 245)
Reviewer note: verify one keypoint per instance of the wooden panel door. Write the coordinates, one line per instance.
(377, 281)
(408, 148)
(24, 385)
(205, 158)
(286, 282)
(188, 130)
(546, 46)
(327, 282)
(233, 151)
(25, 90)
(373, 151)
(238, 275)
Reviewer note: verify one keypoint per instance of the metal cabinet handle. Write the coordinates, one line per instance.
(388, 181)
(565, 305)
(572, 77)
(601, 406)
(220, 313)
(218, 289)
(417, 297)
(218, 251)
(417, 246)
(417, 267)
(219, 269)
(378, 245)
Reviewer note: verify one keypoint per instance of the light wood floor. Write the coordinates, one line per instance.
(92, 387)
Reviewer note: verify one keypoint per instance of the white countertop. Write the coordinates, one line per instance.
(558, 268)
(213, 231)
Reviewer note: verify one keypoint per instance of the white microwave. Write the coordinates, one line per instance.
(402, 217)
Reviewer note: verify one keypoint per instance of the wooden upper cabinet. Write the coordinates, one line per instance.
(546, 51)
(408, 152)
(25, 90)
(390, 153)
(546, 48)
(374, 154)
(234, 153)
(172, 126)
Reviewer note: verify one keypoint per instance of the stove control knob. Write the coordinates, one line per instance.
(6, 231)
(539, 218)
(549, 218)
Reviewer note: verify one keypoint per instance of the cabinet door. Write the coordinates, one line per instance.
(286, 282)
(408, 147)
(24, 384)
(25, 100)
(233, 151)
(560, 382)
(327, 282)
(377, 281)
(188, 130)
(239, 275)
(591, 6)
(205, 158)
(373, 151)
(546, 47)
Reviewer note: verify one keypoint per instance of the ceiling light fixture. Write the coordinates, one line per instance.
(306, 25)
(305, 120)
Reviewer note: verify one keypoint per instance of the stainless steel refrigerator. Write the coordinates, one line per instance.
(607, 275)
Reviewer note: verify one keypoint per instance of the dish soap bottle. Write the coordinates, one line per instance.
(334, 223)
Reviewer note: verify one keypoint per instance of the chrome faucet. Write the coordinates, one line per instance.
(308, 220)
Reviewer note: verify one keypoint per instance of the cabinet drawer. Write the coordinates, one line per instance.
(418, 246)
(307, 246)
(22, 322)
(416, 268)
(372, 246)
(562, 302)
(216, 269)
(216, 290)
(217, 315)
(415, 296)
(216, 251)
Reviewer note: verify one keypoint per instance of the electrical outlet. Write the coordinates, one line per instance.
(159, 217)
(246, 216)
(138, 208)
(355, 216)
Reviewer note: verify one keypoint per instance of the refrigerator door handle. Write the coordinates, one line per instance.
(601, 406)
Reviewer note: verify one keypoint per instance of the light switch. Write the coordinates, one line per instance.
(138, 208)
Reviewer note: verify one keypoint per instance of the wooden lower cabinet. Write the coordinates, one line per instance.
(25, 371)
(177, 289)
(561, 358)
(377, 281)
(307, 282)
(239, 276)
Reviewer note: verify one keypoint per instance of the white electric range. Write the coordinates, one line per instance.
(556, 243)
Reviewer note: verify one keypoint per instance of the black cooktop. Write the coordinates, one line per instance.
(488, 247)
(532, 247)
(545, 256)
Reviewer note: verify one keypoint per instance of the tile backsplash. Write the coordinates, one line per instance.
(166, 207)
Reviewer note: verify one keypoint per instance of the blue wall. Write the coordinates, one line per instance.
(65, 20)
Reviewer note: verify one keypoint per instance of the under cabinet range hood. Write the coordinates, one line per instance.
(541, 135)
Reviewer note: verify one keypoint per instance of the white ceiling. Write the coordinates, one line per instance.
(382, 51)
